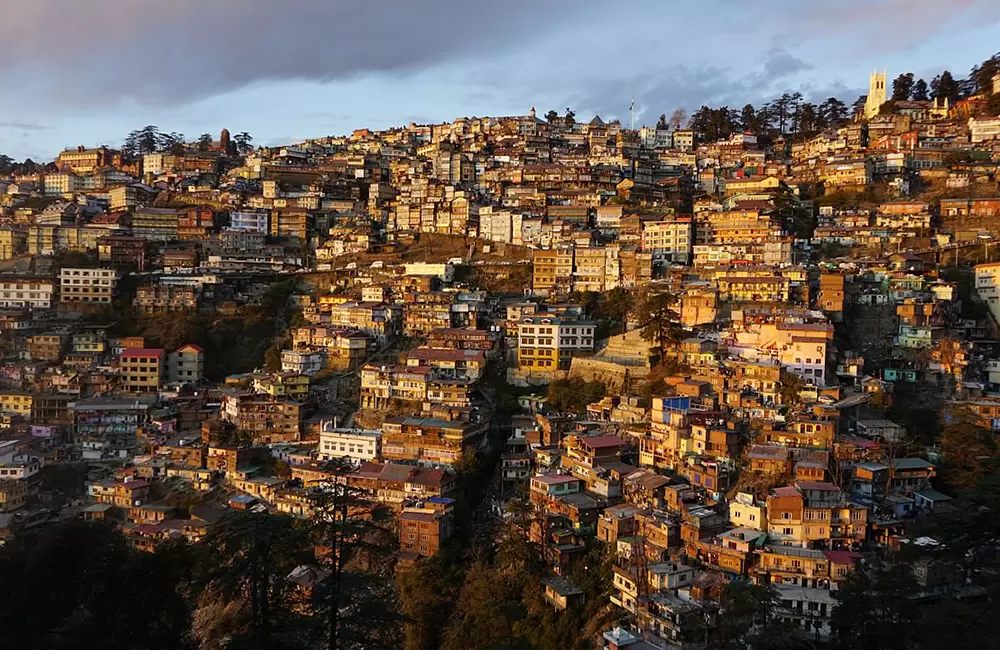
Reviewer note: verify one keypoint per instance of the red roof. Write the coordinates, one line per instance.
(143, 352)
(602, 442)
(786, 492)
(192, 346)
(842, 557)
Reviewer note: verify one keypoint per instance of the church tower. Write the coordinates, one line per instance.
(876, 93)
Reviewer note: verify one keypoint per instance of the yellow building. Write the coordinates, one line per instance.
(752, 184)
(82, 285)
(546, 344)
(13, 242)
(13, 494)
(142, 369)
(284, 384)
(15, 402)
(553, 269)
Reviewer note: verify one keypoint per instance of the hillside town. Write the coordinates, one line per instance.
(682, 384)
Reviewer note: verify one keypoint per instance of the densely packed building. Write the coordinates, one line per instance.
(750, 307)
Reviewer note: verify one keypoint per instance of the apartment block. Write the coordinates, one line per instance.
(359, 445)
(95, 286)
(142, 370)
(26, 292)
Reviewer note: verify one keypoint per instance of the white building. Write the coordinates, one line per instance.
(253, 221)
(653, 138)
(747, 512)
(499, 225)
(359, 445)
(684, 140)
(988, 286)
(302, 362)
(154, 163)
(87, 285)
(57, 184)
(22, 292)
(21, 468)
(669, 240)
(186, 365)
(983, 130)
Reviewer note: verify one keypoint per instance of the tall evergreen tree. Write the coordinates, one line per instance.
(357, 602)
(248, 559)
(944, 86)
(77, 584)
(902, 87)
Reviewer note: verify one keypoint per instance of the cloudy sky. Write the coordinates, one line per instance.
(88, 71)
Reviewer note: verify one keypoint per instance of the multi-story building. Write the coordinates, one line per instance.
(670, 240)
(982, 130)
(124, 494)
(450, 364)
(988, 286)
(26, 292)
(142, 370)
(250, 221)
(380, 321)
(429, 442)
(196, 223)
(97, 286)
(131, 196)
(804, 580)
(292, 223)
(13, 495)
(83, 161)
(282, 385)
(16, 402)
(359, 445)
(123, 251)
(59, 184)
(382, 384)
(303, 362)
(460, 339)
(13, 242)
(47, 346)
(553, 269)
(267, 419)
(546, 343)
(186, 364)
(161, 298)
(242, 240)
(815, 515)
(107, 426)
(155, 224)
(425, 526)
(394, 484)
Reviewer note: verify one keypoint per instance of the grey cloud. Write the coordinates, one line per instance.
(877, 26)
(184, 50)
(24, 126)
(781, 63)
